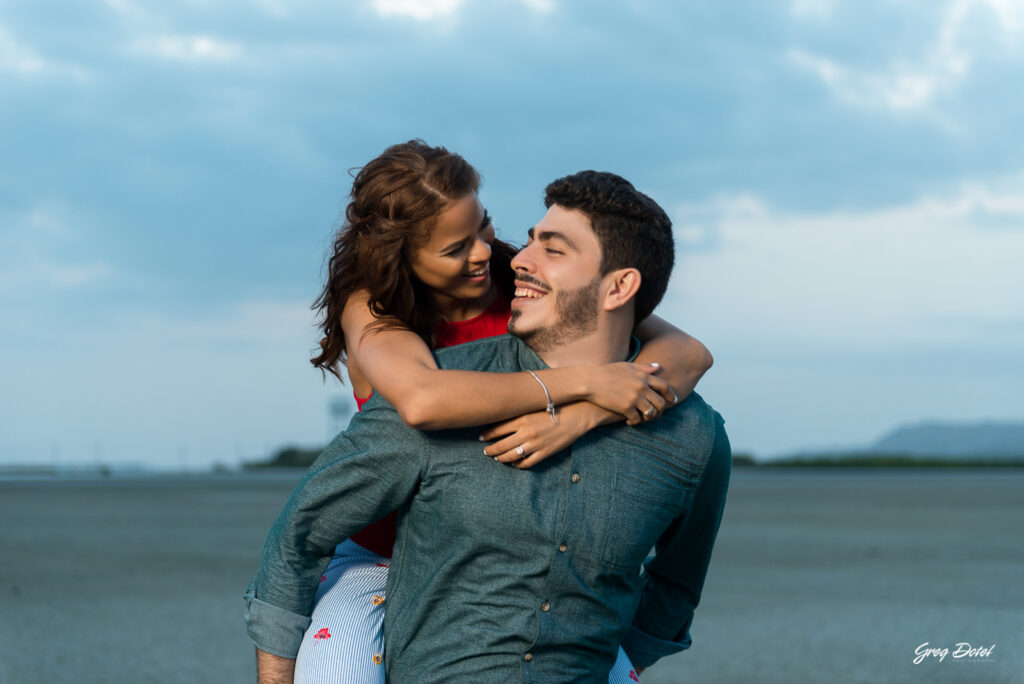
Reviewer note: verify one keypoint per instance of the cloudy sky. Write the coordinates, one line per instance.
(846, 180)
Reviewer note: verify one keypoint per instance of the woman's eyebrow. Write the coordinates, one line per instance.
(452, 246)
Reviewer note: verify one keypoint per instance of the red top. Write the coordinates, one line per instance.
(379, 537)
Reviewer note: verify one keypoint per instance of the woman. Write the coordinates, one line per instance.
(416, 265)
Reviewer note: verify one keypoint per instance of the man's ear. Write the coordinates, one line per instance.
(620, 287)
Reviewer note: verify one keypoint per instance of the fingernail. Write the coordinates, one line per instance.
(656, 365)
(480, 437)
(495, 458)
(675, 398)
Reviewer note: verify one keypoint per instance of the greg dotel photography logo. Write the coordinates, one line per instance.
(962, 651)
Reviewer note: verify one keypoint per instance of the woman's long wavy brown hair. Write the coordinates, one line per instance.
(396, 201)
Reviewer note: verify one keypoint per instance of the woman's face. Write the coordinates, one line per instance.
(455, 261)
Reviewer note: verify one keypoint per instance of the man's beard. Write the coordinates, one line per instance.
(577, 317)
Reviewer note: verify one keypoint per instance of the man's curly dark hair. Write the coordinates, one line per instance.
(634, 232)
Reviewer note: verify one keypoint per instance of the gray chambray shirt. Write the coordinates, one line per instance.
(501, 574)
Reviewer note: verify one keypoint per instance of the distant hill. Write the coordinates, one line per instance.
(954, 439)
(288, 457)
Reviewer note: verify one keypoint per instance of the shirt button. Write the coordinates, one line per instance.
(528, 657)
(562, 547)
(575, 478)
(545, 606)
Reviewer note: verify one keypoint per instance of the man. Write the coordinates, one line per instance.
(503, 574)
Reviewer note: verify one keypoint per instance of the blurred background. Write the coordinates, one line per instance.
(846, 181)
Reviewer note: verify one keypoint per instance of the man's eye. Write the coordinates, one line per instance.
(552, 251)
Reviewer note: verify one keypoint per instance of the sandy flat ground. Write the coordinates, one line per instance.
(817, 577)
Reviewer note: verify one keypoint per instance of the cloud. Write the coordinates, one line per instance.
(540, 6)
(168, 388)
(812, 8)
(831, 327)
(18, 58)
(900, 87)
(186, 48)
(417, 9)
(915, 82)
(39, 253)
(937, 271)
(424, 10)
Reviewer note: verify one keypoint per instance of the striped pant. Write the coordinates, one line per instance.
(344, 643)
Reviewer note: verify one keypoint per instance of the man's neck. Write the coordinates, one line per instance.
(604, 345)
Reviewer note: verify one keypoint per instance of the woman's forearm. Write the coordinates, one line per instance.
(431, 399)
(683, 358)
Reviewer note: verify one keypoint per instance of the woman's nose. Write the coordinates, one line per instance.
(481, 252)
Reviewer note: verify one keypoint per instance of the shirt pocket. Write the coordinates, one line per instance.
(639, 510)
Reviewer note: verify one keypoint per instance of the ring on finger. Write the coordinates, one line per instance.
(520, 451)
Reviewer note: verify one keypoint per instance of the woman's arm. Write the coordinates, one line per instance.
(399, 365)
(683, 358)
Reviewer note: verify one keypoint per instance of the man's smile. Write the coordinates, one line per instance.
(529, 288)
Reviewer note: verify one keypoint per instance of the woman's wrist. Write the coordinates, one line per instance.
(568, 384)
(588, 384)
(590, 416)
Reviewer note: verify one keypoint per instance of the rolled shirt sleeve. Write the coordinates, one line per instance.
(674, 578)
(368, 471)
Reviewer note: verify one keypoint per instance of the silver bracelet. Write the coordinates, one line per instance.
(551, 405)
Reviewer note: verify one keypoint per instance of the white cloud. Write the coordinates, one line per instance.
(17, 57)
(54, 275)
(417, 9)
(939, 269)
(23, 60)
(541, 6)
(424, 10)
(901, 87)
(225, 385)
(32, 245)
(186, 48)
(250, 323)
(812, 8)
(831, 328)
(909, 84)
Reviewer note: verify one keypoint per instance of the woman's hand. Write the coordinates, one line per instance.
(537, 436)
(630, 389)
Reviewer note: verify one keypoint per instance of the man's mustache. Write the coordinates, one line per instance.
(530, 280)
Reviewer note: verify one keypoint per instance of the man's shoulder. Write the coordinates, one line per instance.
(693, 409)
(693, 425)
(496, 354)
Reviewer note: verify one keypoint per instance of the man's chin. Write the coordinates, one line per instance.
(514, 329)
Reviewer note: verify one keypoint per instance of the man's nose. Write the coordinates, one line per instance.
(522, 261)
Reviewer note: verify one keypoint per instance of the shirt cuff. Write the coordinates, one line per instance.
(274, 630)
(644, 650)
